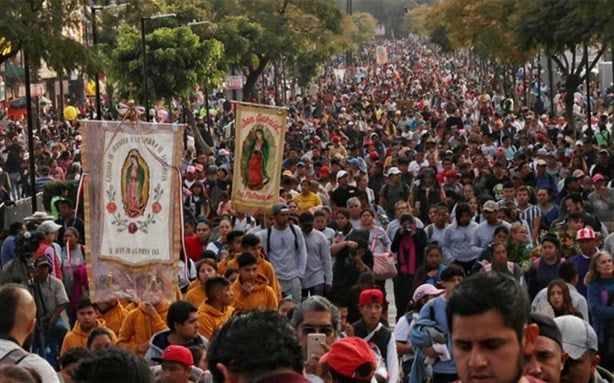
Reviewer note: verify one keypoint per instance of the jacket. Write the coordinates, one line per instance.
(78, 338)
(196, 293)
(30, 361)
(261, 297)
(265, 268)
(138, 328)
(159, 342)
(210, 319)
(114, 317)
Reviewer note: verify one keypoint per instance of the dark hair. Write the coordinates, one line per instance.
(113, 365)
(249, 240)
(568, 271)
(363, 369)
(241, 347)
(179, 312)
(575, 216)
(9, 301)
(552, 239)
(213, 284)
(205, 262)
(15, 228)
(487, 291)
(208, 254)
(500, 229)
(568, 307)
(97, 331)
(461, 208)
(229, 272)
(575, 198)
(83, 303)
(343, 211)
(246, 259)
(509, 185)
(234, 234)
(197, 353)
(451, 272)
(14, 373)
(74, 355)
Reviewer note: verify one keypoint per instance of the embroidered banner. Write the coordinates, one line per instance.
(132, 207)
(259, 147)
(381, 55)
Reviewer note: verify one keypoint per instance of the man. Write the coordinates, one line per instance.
(344, 190)
(17, 325)
(400, 208)
(484, 232)
(456, 236)
(49, 230)
(532, 214)
(354, 207)
(216, 309)
(256, 347)
(587, 242)
(285, 246)
(251, 291)
(320, 223)
(548, 358)
(87, 320)
(393, 191)
(370, 328)
(182, 323)
(314, 315)
(488, 316)
(580, 343)
(568, 272)
(69, 362)
(435, 230)
(318, 272)
(68, 218)
(113, 365)
(251, 243)
(349, 360)
(112, 313)
(141, 324)
(176, 362)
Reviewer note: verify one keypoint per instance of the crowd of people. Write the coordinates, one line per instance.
(490, 218)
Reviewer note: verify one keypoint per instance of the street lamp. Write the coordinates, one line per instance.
(145, 86)
(95, 8)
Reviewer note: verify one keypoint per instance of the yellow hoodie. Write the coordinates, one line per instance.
(138, 328)
(265, 268)
(114, 317)
(262, 295)
(196, 293)
(210, 319)
(78, 338)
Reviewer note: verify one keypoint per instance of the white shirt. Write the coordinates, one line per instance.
(32, 361)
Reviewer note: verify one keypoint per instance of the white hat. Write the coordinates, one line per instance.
(393, 171)
(578, 335)
(341, 173)
(48, 227)
(541, 162)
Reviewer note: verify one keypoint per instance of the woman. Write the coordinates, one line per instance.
(74, 271)
(197, 202)
(378, 239)
(56, 171)
(257, 161)
(558, 302)
(353, 259)
(342, 227)
(517, 244)
(544, 268)
(600, 282)
(499, 263)
(205, 269)
(219, 244)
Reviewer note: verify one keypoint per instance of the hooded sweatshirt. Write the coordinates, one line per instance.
(114, 317)
(196, 294)
(265, 268)
(138, 328)
(210, 319)
(78, 338)
(262, 296)
(159, 342)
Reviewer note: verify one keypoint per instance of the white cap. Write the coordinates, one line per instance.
(393, 171)
(578, 336)
(48, 227)
(341, 173)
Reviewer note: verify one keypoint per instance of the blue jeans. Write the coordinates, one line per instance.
(48, 345)
(15, 192)
(315, 290)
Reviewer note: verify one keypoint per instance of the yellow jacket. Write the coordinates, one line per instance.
(78, 338)
(210, 319)
(262, 295)
(265, 268)
(114, 317)
(138, 328)
(196, 293)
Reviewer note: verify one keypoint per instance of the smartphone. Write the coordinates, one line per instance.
(314, 344)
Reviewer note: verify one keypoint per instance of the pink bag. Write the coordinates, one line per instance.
(383, 264)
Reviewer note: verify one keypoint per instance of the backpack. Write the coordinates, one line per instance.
(13, 357)
(268, 238)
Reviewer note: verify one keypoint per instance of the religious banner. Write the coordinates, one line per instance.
(339, 74)
(381, 55)
(259, 147)
(132, 201)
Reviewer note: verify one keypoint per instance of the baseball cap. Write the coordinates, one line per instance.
(586, 233)
(542, 151)
(48, 227)
(598, 177)
(452, 173)
(280, 208)
(424, 290)
(324, 172)
(604, 152)
(393, 171)
(578, 335)
(370, 296)
(351, 357)
(547, 327)
(579, 143)
(373, 155)
(540, 162)
(490, 206)
(287, 173)
(178, 354)
(42, 260)
(336, 139)
(341, 173)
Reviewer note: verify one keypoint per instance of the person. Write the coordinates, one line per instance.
(393, 191)
(205, 268)
(74, 270)
(569, 274)
(545, 268)
(86, 321)
(587, 241)
(499, 263)
(251, 291)
(113, 365)
(373, 331)
(318, 278)
(141, 324)
(68, 218)
(581, 345)
(285, 248)
(239, 352)
(69, 363)
(483, 233)
(307, 200)
(16, 374)
(349, 360)
(216, 309)
(113, 313)
(17, 326)
(558, 301)
(488, 315)
(251, 243)
(7, 251)
(456, 237)
(46, 248)
(176, 362)
(548, 357)
(257, 162)
(344, 191)
(100, 338)
(182, 323)
(433, 266)
(600, 282)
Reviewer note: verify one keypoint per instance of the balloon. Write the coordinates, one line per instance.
(70, 113)
(90, 89)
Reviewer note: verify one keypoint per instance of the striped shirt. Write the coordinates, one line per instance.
(530, 213)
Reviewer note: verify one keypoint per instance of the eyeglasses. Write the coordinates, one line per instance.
(326, 330)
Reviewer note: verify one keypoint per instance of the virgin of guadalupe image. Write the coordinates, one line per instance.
(255, 174)
(135, 184)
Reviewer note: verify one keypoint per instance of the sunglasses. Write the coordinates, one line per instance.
(326, 330)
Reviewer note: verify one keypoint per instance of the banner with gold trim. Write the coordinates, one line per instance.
(132, 201)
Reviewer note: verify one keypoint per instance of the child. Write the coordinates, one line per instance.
(430, 272)
(87, 320)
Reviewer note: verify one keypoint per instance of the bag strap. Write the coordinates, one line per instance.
(14, 356)
(373, 242)
(372, 333)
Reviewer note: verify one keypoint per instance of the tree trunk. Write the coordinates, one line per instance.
(199, 141)
(571, 84)
(252, 77)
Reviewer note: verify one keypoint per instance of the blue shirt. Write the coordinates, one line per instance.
(439, 310)
(7, 253)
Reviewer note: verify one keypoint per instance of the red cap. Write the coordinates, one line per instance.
(178, 354)
(451, 173)
(324, 172)
(370, 296)
(373, 155)
(351, 357)
(336, 139)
